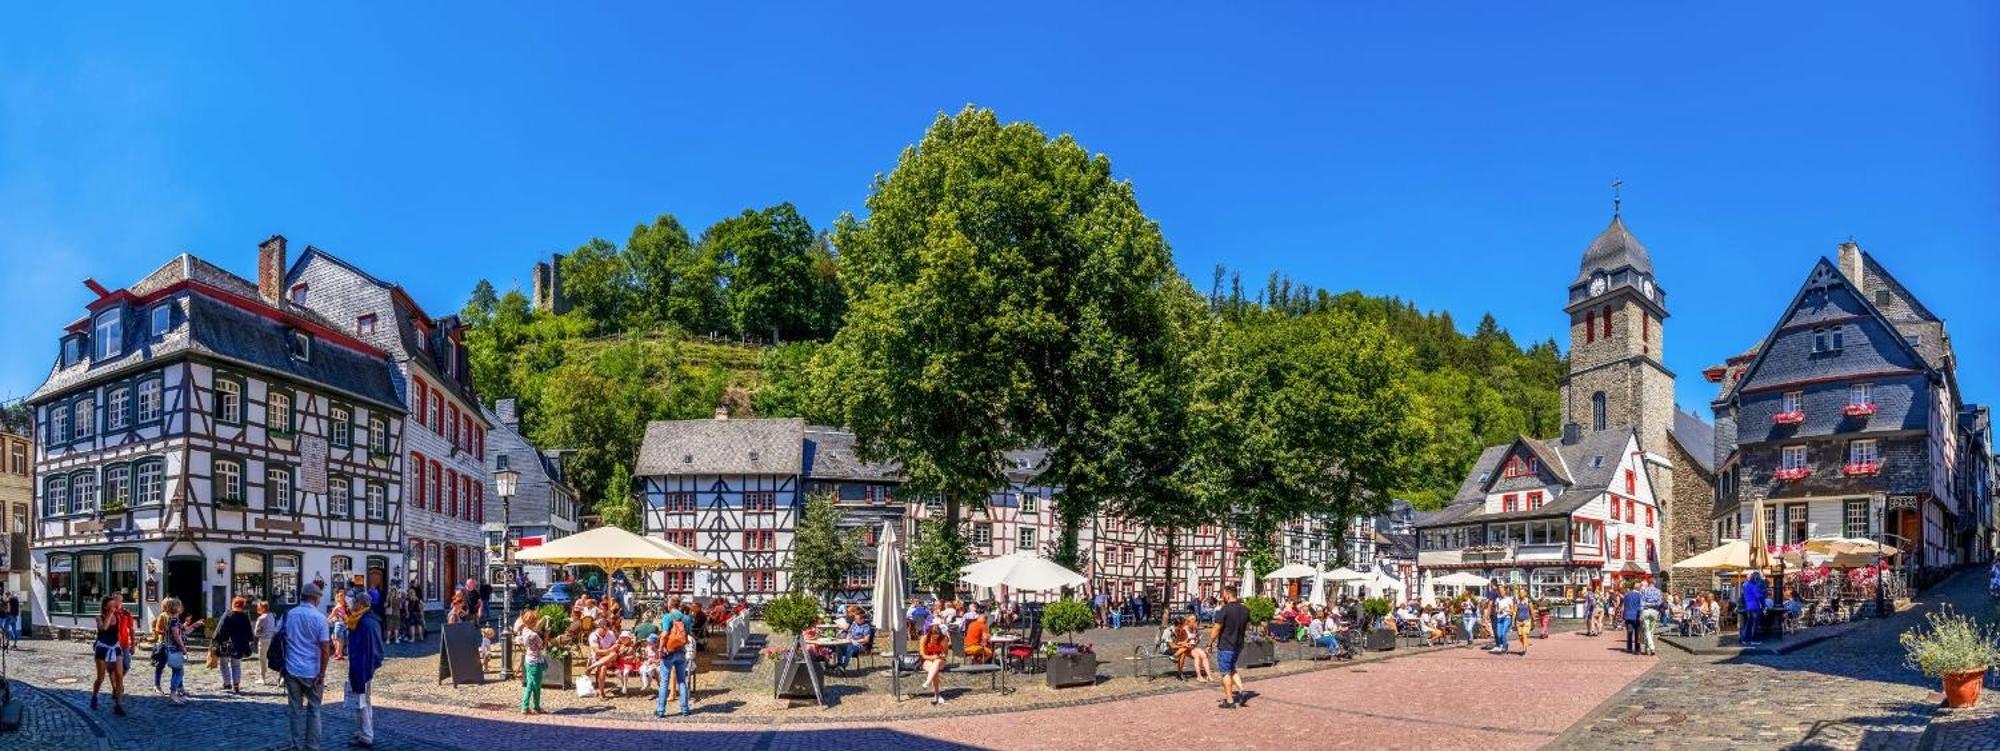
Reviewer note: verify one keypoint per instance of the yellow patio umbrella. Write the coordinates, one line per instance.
(1731, 555)
(611, 549)
(1760, 554)
(1839, 546)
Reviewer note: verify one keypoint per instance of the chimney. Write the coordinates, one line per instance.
(271, 271)
(504, 409)
(1572, 433)
(1850, 264)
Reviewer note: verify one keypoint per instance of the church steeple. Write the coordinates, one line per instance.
(1616, 260)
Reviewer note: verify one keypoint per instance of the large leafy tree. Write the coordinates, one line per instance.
(769, 258)
(678, 284)
(598, 283)
(1005, 290)
(822, 554)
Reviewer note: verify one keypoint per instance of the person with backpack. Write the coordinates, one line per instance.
(364, 656)
(674, 664)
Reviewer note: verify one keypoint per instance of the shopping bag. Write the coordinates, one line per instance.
(583, 687)
(214, 658)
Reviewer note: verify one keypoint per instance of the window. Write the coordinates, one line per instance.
(152, 482)
(1586, 534)
(1030, 503)
(278, 411)
(278, 489)
(19, 454)
(118, 486)
(1631, 482)
(437, 413)
(364, 325)
(450, 492)
(72, 350)
(1819, 340)
(1631, 511)
(764, 501)
(1607, 322)
(423, 404)
(378, 501)
(55, 496)
(1027, 541)
(285, 578)
(83, 492)
(86, 418)
(1795, 523)
(1631, 550)
(1858, 394)
(338, 502)
(760, 540)
(110, 335)
(1854, 519)
(163, 318)
(301, 345)
(1509, 502)
(1792, 457)
(228, 400)
(1598, 412)
(982, 535)
(1534, 499)
(437, 486)
(117, 406)
(1793, 401)
(1837, 336)
(1863, 452)
(1882, 297)
(59, 424)
(1652, 554)
(1589, 326)
(125, 575)
(62, 583)
(229, 481)
(1649, 516)
(1771, 523)
(378, 436)
(680, 503)
(341, 434)
(149, 401)
(90, 581)
(299, 293)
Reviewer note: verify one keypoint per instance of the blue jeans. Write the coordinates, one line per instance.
(1117, 618)
(1501, 625)
(673, 668)
(1471, 624)
(1749, 632)
(1331, 642)
(846, 652)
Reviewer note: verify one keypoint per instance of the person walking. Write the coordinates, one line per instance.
(1468, 617)
(308, 647)
(107, 653)
(1654, 604)
(534, 660)
(266, 626)
(1524, 614)
(1590, 610)
(392, 615)
(10, 619)
(365, 646)
(173, 647)
(1753, 608)
(1630, 609)
(674, 661)
(234, 638)
(1503, 620)
(1232, 623)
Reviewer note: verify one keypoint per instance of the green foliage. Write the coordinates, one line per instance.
(1950, 643)
(679, 284)
(1263, 555)
(936, 555)
(791, 613)
(786, 388)
(1067, 616)
(1262, 609)
(822, 554)
(775, 281)
(1376, 607)
(598, 282)
(554, 620)
(618, 507)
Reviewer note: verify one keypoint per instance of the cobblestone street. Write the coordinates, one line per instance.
(1852, 692)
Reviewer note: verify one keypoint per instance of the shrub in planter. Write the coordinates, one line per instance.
(1955, 649)
(1375, 608)
(1262, 609)
(791, 614)
(1069, 664)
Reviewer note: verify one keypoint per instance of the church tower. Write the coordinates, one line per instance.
(1618, 378)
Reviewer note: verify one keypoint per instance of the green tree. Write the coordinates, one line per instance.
(936, 555)
(768, 256)
(822, 554)
(618, 507)
(678, 284)
(480, 306)
(599, 285)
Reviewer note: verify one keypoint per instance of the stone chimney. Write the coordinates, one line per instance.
(271, 271)
(1850, 265)
(1572, 433)
(504, 409)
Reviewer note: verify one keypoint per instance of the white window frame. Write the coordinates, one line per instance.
(151, 399)
(1848, 518)
(109, 332)
(378, 501)
(59, 424)
(341, 427)
(117, 406)
(1025, 538)
(228, 400)
(1863, 451)
(83, 492)
(1793, 401)
(149, 483)
(118, 484)
(228, 481)
(378, 435)
(55, 495)
(339, 497)
(982, 534)
(278, 489)
(1860, 394)
(1030, 502)
(278, 410)
(1792, 457)
(86, 417)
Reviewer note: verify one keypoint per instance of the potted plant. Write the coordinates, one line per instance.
(1955, 649)
(1259, 650)
(791, 614)
(553, 624)
(1380, 638)
(1069, 664)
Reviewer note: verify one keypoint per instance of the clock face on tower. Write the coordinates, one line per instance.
(1649, 288)
(1597, 286)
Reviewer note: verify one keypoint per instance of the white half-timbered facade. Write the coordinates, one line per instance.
(198, 438)
(731, 490)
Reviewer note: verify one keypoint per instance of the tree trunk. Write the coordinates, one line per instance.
(950, 531)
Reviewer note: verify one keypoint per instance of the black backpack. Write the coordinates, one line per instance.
(274, 658)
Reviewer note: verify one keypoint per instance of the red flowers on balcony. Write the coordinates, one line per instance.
(1860, 410)
(1793, 473)
(1793, 417)
(1862, 469)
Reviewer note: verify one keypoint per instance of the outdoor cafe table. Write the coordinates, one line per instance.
(1000, 645)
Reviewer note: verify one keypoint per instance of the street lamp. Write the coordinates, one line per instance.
(506, 481)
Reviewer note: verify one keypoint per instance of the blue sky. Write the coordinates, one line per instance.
(1455, 156)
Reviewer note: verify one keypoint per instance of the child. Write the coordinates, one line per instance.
(650, 668)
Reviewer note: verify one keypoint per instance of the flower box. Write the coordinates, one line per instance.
(1859, 410)
(1066, 669)
(1793, 473)
(1862, 469)
(1789, 418)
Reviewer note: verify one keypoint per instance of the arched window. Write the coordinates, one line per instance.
(1597, 416)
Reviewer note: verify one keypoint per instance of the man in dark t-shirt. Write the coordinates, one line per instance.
(1231, 623)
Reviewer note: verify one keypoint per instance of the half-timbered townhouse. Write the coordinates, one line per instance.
(17, 495)
(1553, 515)
(1846, 419)
(730, 489)
(199, 437)
(865, 493)
(1128, 558)
(445, 450)
(544, 504)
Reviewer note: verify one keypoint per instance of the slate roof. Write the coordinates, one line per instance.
(222, 329)
(1696, 437)
(750, 446)
(1025, 465)
(1613, 249)
(1592, 464)
(830, 455)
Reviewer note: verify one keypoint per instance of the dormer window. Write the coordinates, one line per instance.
(301, 345)
(72, 350)
(364, 325)
(299, 294)
(163, 318)
(110, 334)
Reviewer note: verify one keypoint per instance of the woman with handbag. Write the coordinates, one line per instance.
(233, 641)
(173, 643)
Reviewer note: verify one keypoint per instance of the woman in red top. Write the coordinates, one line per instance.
(935, 646)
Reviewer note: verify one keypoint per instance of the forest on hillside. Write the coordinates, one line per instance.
(768, 316)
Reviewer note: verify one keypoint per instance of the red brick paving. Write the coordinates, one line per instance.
(1458, 698)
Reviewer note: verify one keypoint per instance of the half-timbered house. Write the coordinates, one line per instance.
(445, 451)
(865, 493)
(199, 437)
(729, 489)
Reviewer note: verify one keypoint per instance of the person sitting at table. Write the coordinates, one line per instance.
(1186, 645)
(1322, 632)
(631, 658)
(934, 648)
(603, 658)
(978, 648)
(860, 637)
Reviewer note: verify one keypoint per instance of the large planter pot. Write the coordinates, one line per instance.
(1381, 640)
(1066, 670)
(555, 674)
(1258, 654)
(1962, 689)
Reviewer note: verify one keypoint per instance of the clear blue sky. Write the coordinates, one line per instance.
(1458, 157)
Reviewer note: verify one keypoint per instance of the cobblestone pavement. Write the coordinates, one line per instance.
(1852, 692)
(1417, 698)
(1971, 729)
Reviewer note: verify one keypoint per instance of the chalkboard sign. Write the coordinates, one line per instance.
(458, 654)
(798, 673)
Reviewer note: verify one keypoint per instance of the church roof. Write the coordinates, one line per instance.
(1615, 248)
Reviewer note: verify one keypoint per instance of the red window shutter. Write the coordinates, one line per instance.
(1649, 516)
(1589, 326)
(1607, 321)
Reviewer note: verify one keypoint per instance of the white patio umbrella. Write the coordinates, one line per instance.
(1462, 579)
(1382, 582)
(1023, 571)
(888, 598)
(1291, 571)
(1193, 582)
(1249, 579)
(1318, 596)
(1344, 575)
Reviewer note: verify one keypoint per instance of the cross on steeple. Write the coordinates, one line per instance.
(1615, 199)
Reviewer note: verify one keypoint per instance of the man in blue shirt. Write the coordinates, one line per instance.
(1631, 606)
(1753, 608)
(308, 645)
